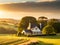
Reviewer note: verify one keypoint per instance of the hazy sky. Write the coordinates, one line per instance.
(44, 9)
(11, 1)
(19, 15)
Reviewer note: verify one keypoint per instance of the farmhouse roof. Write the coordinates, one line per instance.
(28, 31)
(33, 25)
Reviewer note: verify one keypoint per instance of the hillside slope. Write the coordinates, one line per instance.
(8, 26)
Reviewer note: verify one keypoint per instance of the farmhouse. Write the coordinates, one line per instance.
(32, 29)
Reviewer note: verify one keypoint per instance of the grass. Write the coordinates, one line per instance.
(50, 40)
(50, 37)
(39, 43)
(11, 40)
(42, 40)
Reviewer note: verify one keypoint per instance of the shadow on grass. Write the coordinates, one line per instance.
(11, 42)
(39, 43)
(42, 43)
(48, 36)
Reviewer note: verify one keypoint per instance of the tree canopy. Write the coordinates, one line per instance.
(48, 29)
(26, 20)
(52, 21)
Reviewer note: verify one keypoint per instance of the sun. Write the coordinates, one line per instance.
(2, 12)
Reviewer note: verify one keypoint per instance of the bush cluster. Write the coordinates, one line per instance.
(48, 30)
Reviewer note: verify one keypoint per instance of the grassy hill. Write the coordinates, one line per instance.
(6, 29)
(8, 26)
(9, 21)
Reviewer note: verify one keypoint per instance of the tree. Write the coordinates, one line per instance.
(48, 30)
(43, 21)
(57, 26)
(55, 23)
(25, 22)
(43, 17)
(52, 21)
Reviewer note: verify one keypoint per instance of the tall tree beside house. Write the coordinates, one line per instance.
(42, 21)
(24, 23)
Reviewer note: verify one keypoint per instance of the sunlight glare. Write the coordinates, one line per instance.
(2, 13)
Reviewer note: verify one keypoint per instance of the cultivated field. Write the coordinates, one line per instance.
(43, 40)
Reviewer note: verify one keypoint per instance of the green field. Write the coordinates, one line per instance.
(43, 40)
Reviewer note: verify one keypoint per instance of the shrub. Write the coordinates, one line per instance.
(57, 26)
(48, 30)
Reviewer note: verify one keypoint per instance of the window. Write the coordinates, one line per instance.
(36, 28)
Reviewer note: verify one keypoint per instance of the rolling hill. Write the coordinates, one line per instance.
(8, 26)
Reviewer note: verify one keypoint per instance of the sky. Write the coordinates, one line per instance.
(19, 15)
(11, 1)
(17, 11)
